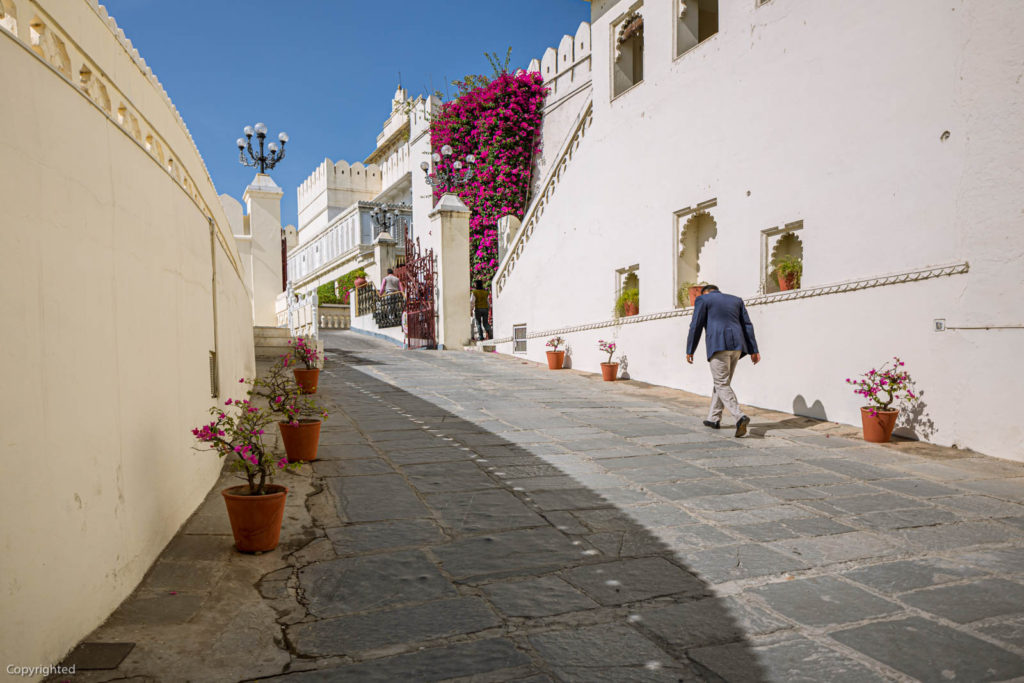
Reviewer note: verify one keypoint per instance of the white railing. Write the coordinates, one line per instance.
(302, 315)
(514, 244)
(334, 317)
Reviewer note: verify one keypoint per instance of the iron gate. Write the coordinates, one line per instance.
(417, 276)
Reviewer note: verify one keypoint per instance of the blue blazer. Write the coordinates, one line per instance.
(728, 325)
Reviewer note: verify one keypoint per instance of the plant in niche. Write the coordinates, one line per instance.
(242, 435)
(554, 343)
(885, 386)
(683, 295)
(791, 269)
(627, 296)
(606, 347)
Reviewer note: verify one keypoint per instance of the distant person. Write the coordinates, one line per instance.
(482, 309)
(391, 284)
(730, 337)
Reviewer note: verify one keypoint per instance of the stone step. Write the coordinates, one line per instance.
(259, 332)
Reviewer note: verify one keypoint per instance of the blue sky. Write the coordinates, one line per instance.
(324, 71)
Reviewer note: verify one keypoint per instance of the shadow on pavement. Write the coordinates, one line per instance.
(456, 553)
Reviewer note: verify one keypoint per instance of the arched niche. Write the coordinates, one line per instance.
(786, 245)
(696, 242)
(628, 67)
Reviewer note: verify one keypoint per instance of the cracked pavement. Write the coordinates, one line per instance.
(476, 517)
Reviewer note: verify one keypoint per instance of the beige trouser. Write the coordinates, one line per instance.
(723, 364)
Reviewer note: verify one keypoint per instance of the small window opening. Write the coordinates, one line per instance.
(698, 21)
(628, 67)
(519, 339)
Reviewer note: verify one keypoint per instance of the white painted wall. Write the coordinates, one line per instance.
(108, 303)
(830, 114)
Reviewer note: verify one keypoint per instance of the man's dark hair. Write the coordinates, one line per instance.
(479, 284)
(709, 288)
(391, 271)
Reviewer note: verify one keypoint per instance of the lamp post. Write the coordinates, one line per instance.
(453, 175)
(386, 217)
(264, 160)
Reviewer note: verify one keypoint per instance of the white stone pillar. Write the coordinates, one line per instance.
(263, 199)
(449, 222)
(384, 254)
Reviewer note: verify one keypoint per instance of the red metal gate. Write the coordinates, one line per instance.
(417, 277)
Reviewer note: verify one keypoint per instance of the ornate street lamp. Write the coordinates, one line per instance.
(386, 217)
(263, 160)
(448, 177)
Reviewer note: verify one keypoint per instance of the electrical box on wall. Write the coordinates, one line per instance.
(940, 324)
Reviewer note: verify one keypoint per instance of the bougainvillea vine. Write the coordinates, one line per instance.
(500, 123)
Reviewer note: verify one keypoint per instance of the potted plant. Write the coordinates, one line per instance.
(789, 270)
(555, 357)
(883, 387)
(628, 303)
(609, 370)
(308, 377)
(257, 508)
(299, 416)
(688, 292)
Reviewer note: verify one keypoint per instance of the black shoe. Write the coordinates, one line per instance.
(709, 423)
(741, 425)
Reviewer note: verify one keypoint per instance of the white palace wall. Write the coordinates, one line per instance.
(884, 135)
(119, 277)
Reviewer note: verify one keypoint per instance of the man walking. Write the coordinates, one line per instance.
(481, 309)
(730, 337)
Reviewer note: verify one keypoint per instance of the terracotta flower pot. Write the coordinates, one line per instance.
(359, 282)
(255, 520)
(555, 360)
(788, 282)
(301, 440)
(307, 379)
(630, 308)
(878, 427)
(694, 293)
(609, 371)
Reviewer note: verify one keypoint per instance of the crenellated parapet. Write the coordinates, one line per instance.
(100, 61)
(565, 69)
(330, 189)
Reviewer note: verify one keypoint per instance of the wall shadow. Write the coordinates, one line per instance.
(914, 422)
(816, 410)
(540, 574)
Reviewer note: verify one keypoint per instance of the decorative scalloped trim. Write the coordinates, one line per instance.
(837, 288)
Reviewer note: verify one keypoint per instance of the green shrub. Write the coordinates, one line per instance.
(631, 295)
(325, 293)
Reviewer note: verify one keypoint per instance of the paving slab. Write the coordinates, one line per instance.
(824, 601)
(475, 517)
(930, 651)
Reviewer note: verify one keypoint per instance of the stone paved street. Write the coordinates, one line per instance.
(475, 516)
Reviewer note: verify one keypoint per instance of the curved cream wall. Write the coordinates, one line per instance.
(828, 113)
(113, 237)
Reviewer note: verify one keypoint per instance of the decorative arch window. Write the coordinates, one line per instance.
(628, 65)
(696, 21)
(782, 258)
(696, 254)
(627, 291)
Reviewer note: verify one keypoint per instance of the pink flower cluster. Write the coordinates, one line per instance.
(884, 386)
(304, 352)
(555, 342)
(500, 124)
(606, 347)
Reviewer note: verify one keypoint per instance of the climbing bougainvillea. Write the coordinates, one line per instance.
(499, 122)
